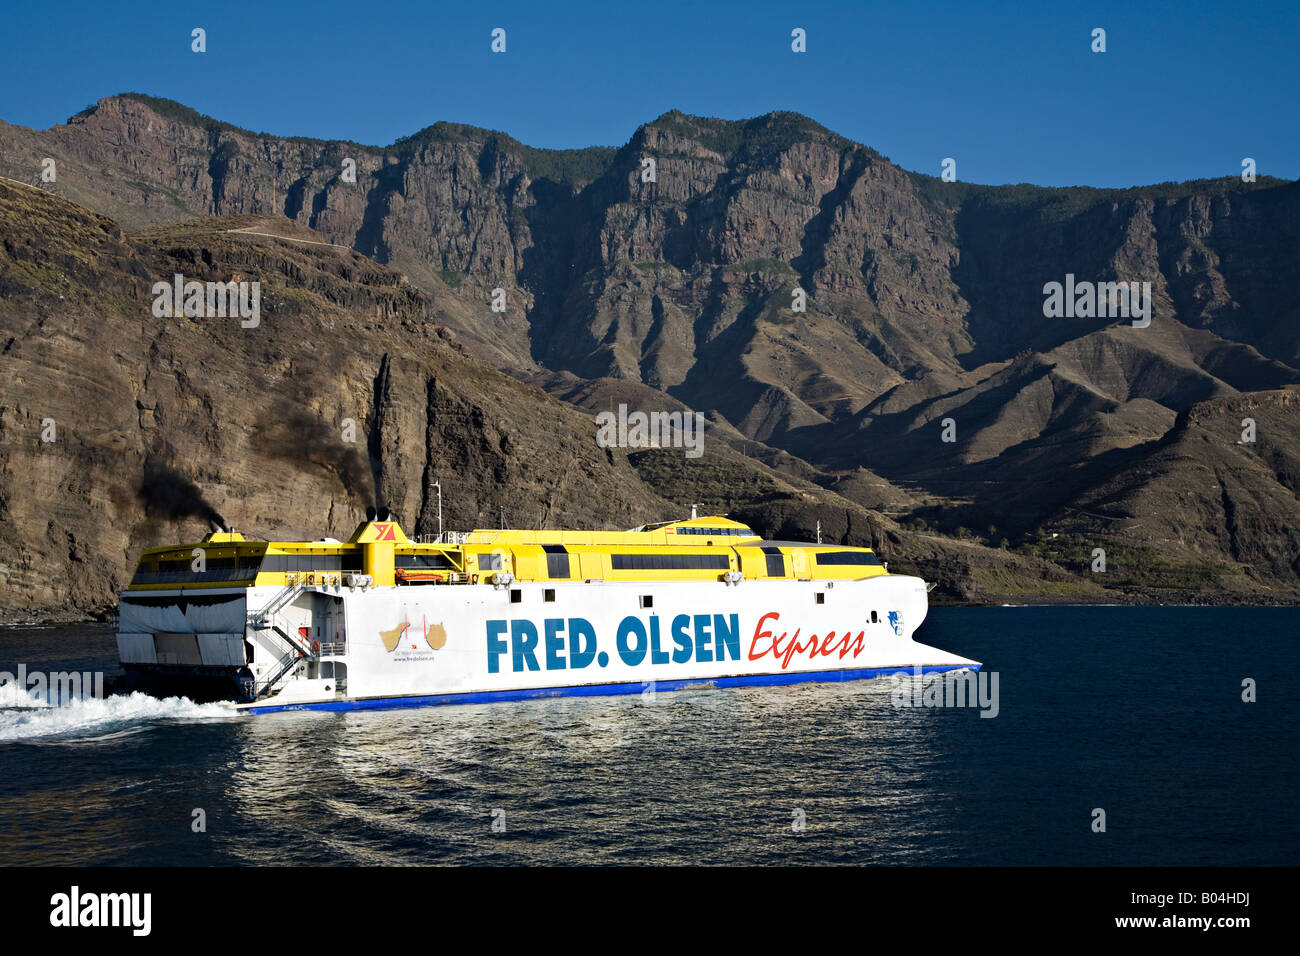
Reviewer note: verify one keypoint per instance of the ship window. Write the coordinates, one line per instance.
(425, 562)
(181, 571)
(516, 596)
(489, 561)
(647, 600)
(738, 532)
(775, 562)
(669, 562)
(557, 560)
(821, 597)
(290, 563)
(548, 594)
(847, 557)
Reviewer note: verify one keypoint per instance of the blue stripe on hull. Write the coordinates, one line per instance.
(608, 690)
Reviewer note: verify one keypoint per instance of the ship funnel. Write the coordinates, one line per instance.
(379, 541)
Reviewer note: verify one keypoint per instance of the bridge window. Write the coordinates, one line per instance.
(181, 570)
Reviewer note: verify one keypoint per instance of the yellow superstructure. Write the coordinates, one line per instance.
(379, 553)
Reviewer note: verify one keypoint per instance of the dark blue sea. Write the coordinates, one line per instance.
(1137, 712)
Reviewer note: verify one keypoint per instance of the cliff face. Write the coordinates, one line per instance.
(609, 274)
(924, 305)
(121, 430)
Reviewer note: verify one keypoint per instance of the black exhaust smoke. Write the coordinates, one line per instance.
(299, 437)
(168, 493)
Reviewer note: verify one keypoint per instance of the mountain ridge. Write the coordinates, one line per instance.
(924, 298)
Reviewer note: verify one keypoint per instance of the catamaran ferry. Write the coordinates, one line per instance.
(384, 621)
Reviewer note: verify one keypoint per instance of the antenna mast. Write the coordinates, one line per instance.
(438, 486)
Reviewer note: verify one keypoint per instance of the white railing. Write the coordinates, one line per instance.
(458, 537)
(324, 579)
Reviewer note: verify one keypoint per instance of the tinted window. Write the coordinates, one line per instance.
(427, 562)
(847, 557)
(181, 571)
(299, 563)
(669, 562)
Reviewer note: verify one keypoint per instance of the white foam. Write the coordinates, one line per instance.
(29, 717)
(11, 695)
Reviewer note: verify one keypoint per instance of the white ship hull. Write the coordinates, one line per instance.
(483, 643)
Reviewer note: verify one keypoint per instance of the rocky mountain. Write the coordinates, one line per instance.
(920, 388)
(121, 430)
(117, 427)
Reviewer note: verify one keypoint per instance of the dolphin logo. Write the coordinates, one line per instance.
(896, 622)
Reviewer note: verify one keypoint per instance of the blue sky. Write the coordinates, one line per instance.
(1012, 91)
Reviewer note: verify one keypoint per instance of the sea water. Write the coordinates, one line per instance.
(1159, 735)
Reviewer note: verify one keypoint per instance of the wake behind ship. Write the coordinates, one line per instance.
(383, 621)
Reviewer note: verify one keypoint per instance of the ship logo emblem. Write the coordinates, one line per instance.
(435, 635)
(896, 622)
